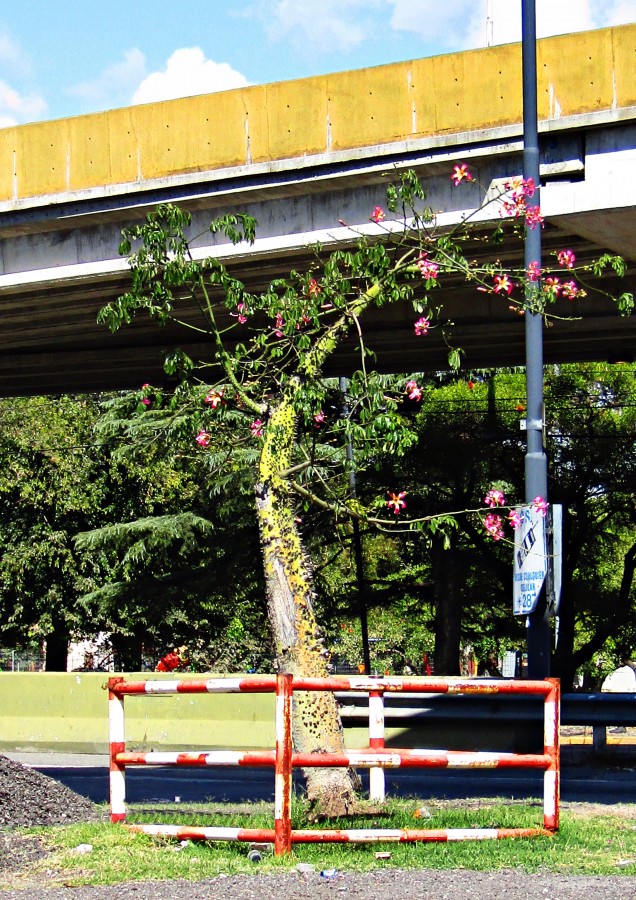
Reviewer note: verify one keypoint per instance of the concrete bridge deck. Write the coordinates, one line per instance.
(300, 156)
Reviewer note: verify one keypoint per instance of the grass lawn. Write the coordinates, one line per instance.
(592, 840)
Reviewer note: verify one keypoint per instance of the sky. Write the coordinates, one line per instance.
(63, 58)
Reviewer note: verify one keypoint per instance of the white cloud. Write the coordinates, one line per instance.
(441, 24)
(187, 73)
(16, 107)
(322, 26)
(622, 13)
(115, 84)
(18, 103)
(12, 57)
(552, 18)
(463, 22)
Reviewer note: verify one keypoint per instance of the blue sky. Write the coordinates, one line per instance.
(68, 57)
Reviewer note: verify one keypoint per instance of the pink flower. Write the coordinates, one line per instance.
(278, 327)
(503, 284)
(528, 187)
(256, 428)
(239, 315)
(533, 271)
(461, 173)
(304, 320)
(421, 326)
(540, 505)
(429, 270)
(534, 217)
(566, 258)
(147, 401)
(313, 288)
(513, 184)
(214, 399)
(514, 518)
(414, 392)
(516, 205)
(494, 526)
(396, 501)
(319, 418)
(520, 187)
(202, 439)
(552, 285)
(378, 215)
(570, 290)
(494, 498)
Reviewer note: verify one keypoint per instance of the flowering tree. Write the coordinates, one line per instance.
(261, 391)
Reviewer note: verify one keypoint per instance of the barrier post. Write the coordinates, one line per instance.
(551, 777)
(117, 744)
(377, 789)
(283, 765)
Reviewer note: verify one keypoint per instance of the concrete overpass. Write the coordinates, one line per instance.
(300, 156)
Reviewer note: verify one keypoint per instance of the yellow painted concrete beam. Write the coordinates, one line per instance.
(461, 92)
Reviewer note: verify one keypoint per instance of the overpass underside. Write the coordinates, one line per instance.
(332, 143)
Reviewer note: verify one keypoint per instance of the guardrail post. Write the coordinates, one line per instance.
(552, 775)
(283, 765)
(599, 738)
(117, 744)
(377, 789)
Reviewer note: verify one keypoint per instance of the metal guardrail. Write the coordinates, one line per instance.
(600, 710)
(576, 709)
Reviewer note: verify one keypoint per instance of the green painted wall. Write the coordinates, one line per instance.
(69, 713)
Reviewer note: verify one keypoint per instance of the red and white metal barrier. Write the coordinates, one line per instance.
(375, 757)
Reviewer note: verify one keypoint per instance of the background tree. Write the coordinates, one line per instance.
(49, 490)
(177, 580)
(469, 440)
(182, 561)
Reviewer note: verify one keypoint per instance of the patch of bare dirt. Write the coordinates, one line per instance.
(29, 798)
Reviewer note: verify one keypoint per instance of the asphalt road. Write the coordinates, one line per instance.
(88, 775)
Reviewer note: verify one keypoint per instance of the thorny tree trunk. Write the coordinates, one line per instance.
(299, 646)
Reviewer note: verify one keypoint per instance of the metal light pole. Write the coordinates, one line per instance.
(536, 463)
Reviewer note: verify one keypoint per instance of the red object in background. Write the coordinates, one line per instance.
(168, 663)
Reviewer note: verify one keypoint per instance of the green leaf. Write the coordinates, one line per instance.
(625, 303)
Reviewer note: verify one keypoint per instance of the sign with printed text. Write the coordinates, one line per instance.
(530, 560)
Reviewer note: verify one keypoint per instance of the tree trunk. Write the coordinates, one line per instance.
(297, 639)
(56, 655)
(126, 652)
(447, 568)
